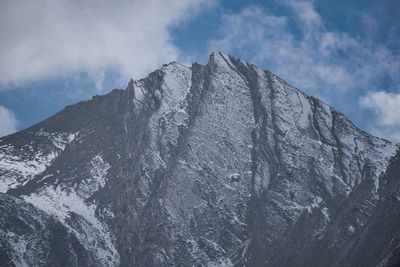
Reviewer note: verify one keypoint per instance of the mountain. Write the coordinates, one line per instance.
(216, 165)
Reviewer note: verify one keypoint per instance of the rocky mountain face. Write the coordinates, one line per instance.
(216, 165)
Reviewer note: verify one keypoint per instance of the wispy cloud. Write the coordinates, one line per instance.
(44, 38)
(299, 47)
(386, 107)
(315, 57)
(8, 121)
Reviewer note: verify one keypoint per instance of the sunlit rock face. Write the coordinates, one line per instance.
(216, 165)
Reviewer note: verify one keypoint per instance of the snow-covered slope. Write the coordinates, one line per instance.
(216, 165)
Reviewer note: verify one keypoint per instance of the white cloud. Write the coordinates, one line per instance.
(45, 38)
(306, 13)
(8, 123)
(386, 107)
(320, 61)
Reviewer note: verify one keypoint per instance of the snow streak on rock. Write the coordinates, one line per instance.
(18, 165)
(70, 206)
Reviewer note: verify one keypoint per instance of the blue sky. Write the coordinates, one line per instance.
(56, 53)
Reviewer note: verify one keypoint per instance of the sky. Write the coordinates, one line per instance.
(57, 53)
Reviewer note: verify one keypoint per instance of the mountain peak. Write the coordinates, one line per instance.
(222, 164)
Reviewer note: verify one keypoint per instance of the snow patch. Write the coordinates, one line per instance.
(20, 165)
(98, 172)
(325, 212)
(94, 235)
(315, 204)
(387, 151)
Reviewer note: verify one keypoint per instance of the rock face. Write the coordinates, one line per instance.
(216, 165)
(30, 237)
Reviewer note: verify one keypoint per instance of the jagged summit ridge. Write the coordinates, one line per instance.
(222, 164)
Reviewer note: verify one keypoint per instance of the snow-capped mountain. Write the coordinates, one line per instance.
(216, 165)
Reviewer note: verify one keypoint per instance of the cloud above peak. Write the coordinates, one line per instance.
(300, 48)
(386, 109)
(385, 105)
(8, 121)
(44, 38)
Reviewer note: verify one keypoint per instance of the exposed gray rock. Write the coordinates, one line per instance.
(216, 165)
